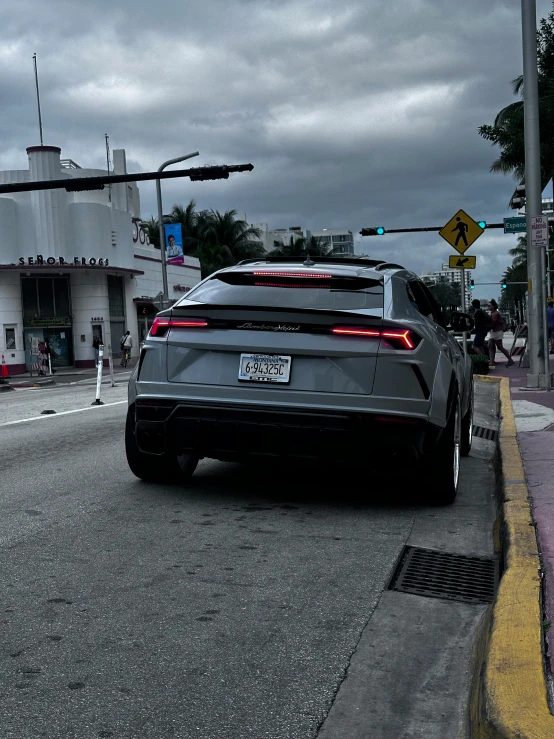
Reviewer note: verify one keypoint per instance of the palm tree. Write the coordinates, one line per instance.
(519, 253)
(153, 231)
(315, 246)
(223, 230)
(507, 132)
(213, 257)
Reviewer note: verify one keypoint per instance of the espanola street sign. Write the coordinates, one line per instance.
(461, 231)
(468, 262)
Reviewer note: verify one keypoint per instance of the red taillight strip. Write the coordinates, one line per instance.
(402, 335)
(310, 275)
(356, 332)
(161, 325)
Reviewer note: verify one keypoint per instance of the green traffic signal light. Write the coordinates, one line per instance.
(472, 284)
(380, 230)
(482, 224)
(504, 285)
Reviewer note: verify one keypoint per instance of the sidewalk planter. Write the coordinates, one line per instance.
(480, 364)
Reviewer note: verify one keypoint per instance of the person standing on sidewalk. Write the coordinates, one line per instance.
(126, 343)
(496, 335)
(550, 320)
(483, 324)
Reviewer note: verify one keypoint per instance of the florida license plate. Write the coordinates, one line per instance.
(264, 368)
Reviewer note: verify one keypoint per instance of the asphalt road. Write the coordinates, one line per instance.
(233, 608)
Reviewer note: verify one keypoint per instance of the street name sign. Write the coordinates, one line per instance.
(515, 225)
(539, 231)
(455, 262)
(461, 231)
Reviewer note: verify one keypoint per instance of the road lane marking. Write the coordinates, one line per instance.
(62, 413)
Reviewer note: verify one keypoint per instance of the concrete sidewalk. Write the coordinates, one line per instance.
(533, 421)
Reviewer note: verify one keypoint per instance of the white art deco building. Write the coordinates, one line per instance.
(75, 264)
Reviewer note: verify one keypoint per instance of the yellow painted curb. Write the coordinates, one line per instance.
(513, 696)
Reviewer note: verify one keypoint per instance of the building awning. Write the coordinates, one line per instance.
(57, 268)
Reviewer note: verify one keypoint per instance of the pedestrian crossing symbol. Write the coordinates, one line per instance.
(461, 231)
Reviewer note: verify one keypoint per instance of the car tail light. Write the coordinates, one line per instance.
(307, 275)
(398, 338)
(161, 325)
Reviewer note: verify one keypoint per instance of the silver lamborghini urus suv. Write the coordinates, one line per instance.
(342, 360)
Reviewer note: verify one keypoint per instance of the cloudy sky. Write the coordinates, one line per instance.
(354, 113)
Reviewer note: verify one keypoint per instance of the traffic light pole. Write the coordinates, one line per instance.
(539, 377)
(161, 222)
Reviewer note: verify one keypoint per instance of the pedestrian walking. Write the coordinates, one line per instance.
(550, 321)
(483, 324)
(126, 343)
(96, 343)
(496, 335)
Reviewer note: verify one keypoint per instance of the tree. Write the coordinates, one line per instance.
(223, 230)
(315, 246)
(153, 231)
(213, 257)
(507, 131)
(446, 294)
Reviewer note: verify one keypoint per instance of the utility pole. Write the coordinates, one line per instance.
(539, 377)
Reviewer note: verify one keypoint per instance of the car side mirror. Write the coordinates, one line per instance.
(461, 322)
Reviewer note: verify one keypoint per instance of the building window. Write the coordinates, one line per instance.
(10, 338)
(45, 297)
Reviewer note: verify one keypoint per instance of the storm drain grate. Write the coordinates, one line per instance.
(484, 433)
(448, 576)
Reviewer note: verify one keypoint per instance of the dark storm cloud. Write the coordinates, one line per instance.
(353, 114)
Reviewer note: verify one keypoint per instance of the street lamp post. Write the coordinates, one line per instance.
(161, 221)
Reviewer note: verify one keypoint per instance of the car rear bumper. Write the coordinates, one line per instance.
(244, 432)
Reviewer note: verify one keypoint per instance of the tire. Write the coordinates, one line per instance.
(162, 468)
(444, 470)
(467, 426)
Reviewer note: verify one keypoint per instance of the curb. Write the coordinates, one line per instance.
(511, 700)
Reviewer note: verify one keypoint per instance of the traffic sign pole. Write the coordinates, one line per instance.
(463, 295)
(539, 377)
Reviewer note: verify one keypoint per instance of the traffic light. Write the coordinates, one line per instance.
(482, 224)
(518, 198)
(504, 285)
(472, 284)
(373, 231)
(209, 173)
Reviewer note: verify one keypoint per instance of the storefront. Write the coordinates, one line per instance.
(52, 289)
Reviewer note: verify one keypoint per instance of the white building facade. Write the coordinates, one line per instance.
(75, 264)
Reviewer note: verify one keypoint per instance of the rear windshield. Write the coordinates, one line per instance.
(334, 293)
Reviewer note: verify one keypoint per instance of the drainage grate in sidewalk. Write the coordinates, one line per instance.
(448, 576)
(484, 433)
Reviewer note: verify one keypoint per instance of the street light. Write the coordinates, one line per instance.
(161, 220)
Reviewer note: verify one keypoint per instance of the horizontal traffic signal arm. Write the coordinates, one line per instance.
(77, 184)
(371, 231)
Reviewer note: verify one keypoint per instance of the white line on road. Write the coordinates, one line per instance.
(62, 413)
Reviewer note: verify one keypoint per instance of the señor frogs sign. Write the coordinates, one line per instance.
(53, 261)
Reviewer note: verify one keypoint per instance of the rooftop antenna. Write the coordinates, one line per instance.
(308, 262)
(108, 163)
(38, 99)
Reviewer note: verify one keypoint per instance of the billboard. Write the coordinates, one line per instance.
(174, 243)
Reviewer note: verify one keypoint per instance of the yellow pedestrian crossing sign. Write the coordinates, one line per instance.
(461, 262)
(461, 231)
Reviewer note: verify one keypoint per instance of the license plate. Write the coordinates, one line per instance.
(264, 368)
